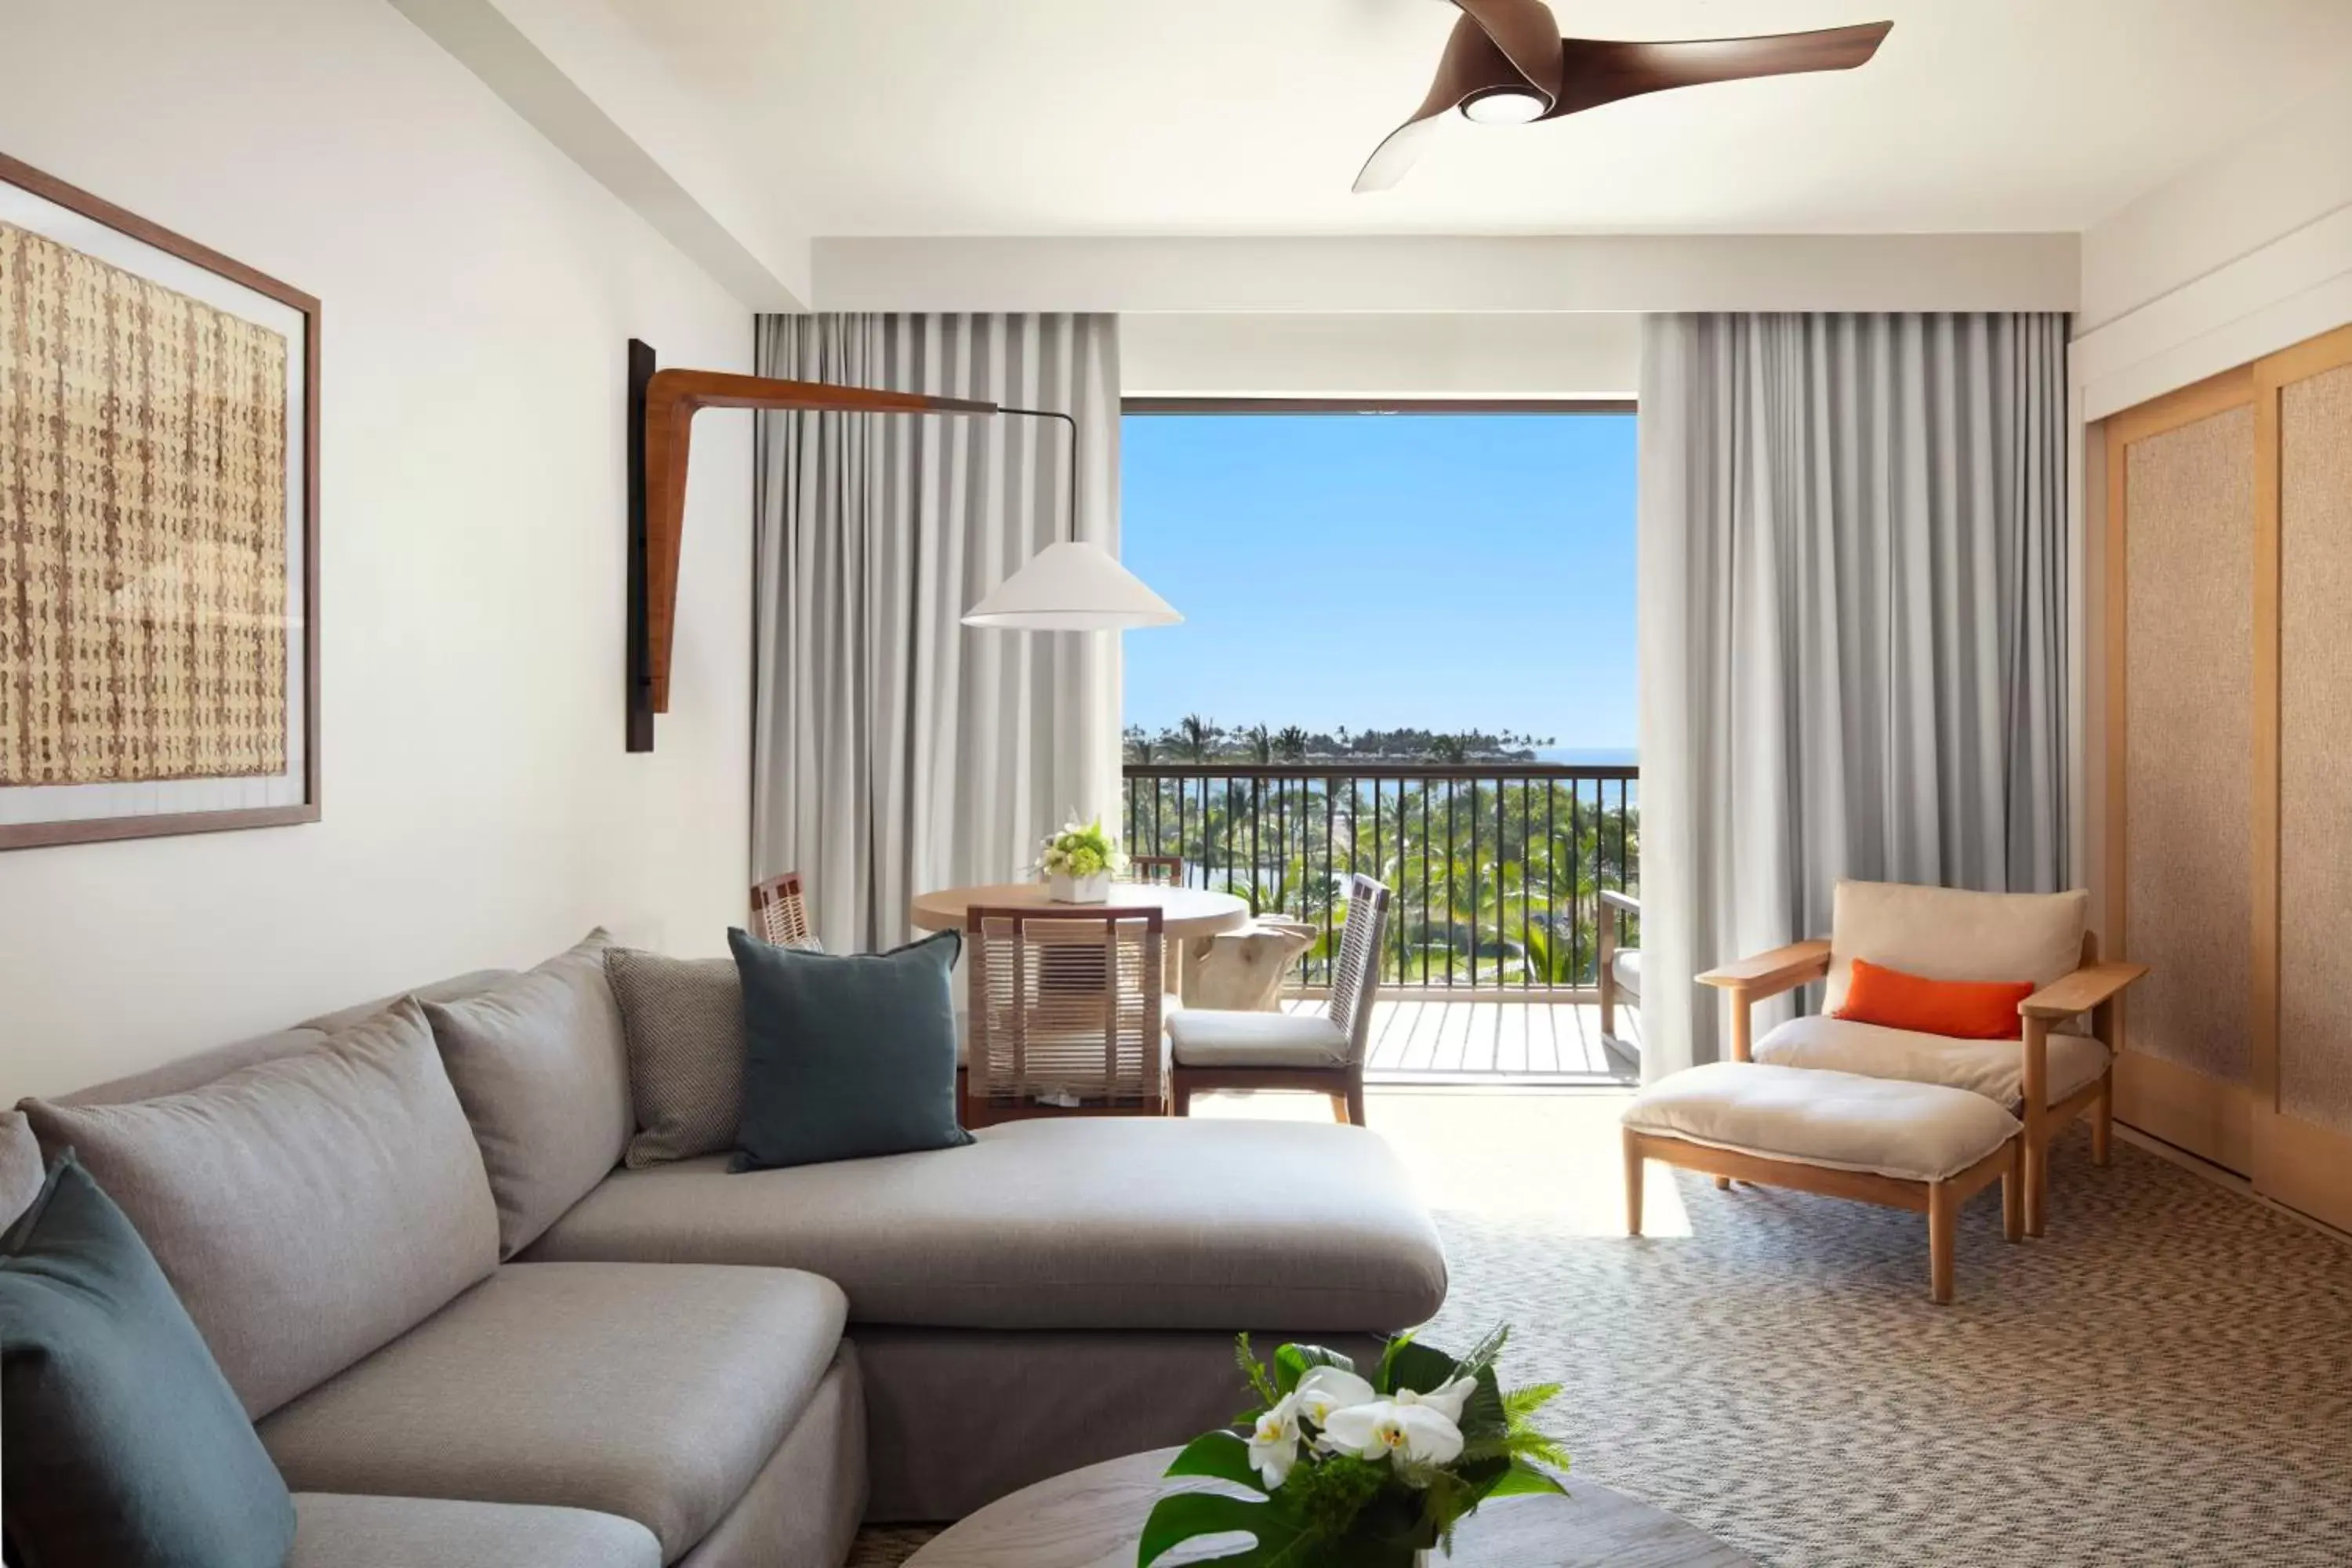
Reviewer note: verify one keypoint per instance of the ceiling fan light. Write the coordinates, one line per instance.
(1505, 106)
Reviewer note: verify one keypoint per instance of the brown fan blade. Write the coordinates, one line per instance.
(1471, 64)
(1595, 71)
(1527, 35)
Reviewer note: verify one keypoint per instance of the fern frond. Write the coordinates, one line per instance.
(1260, 1383)
(1520, 1403)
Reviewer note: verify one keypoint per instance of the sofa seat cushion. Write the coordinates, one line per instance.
(1626, 968)
(653, 1394)
(1994, 1068)
(338, 1531)
(1211, 1037)
(1914, 1132)
(1061, 1223)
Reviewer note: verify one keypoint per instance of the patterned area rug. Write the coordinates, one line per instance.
(2165, 1379)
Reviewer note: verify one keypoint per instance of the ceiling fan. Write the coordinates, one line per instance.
(1506, 63)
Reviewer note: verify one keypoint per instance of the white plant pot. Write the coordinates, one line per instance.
(1066, 889)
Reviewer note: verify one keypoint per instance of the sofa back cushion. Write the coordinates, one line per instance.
(540, 1065)
(684, 1019)
(308, 1209)
(195, 1071)
(20, 1167)
(1947, 933)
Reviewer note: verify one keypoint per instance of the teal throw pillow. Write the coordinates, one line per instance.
(125, 1444)
(847, 1054)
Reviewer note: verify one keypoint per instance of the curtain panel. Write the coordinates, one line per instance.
(1854, 590)
(895, 749)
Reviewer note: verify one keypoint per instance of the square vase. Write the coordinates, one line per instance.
(1067, 890)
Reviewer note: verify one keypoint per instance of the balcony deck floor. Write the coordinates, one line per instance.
(1474, 1038)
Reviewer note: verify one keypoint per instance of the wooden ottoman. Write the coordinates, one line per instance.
(1918, 1146)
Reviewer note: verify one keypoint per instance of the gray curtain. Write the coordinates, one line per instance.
(1853, 598)
(894, 750)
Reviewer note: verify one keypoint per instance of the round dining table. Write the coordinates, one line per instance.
(1184, 912)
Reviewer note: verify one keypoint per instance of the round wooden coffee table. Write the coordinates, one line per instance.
(1091, 1518)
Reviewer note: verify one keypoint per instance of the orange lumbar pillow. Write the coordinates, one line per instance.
(1964, 1009)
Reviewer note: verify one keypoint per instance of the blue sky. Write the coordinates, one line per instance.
(1443, 571)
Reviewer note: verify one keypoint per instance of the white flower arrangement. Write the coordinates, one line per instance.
(1080, 850)
(1341, 1471)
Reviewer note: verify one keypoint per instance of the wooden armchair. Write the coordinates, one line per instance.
(780, 913)
(1158, 870)
(1619, 969)
(1065, 1013)
(1950, 934)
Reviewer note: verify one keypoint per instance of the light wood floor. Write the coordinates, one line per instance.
(1449, 1039)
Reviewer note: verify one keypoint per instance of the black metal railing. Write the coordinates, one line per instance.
(1495, 869)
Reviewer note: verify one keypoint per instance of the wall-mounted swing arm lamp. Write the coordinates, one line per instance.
(1069, 585)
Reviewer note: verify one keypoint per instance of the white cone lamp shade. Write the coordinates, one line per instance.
(1072, 587)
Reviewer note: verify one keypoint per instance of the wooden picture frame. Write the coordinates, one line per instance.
(206, 581)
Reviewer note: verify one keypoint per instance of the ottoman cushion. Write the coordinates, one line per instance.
(1914, 1132)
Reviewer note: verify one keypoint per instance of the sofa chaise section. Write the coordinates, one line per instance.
(1062, 1292)
(1082, 1223)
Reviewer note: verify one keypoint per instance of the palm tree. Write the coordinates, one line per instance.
(1290, 743)
(1260, 742)
(1139, 746)
(1448, 749)
(1196, 737)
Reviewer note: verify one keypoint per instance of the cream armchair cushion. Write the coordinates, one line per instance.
(1993, 1068)
(1946, 933)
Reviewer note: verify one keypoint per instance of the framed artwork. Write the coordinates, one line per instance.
(159, 529)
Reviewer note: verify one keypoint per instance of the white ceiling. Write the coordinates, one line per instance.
(1057, 116)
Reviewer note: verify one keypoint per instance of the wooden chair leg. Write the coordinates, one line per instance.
(1339, 1107)
(1723, 1184)
(1355, 1103)
(2103, 1119)
(1179, 1096)
(1633, 1170)
(2012, 1195)
(1943, 1223)
(2036, 1160)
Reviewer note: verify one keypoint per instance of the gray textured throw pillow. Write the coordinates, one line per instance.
(307, 1210)
(21, 1173)
(684, 1020)
(540, 1067)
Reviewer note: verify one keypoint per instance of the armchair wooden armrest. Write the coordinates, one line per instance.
(2092, 986)
(1770, 973)
(1751, 980)
(1611, 898)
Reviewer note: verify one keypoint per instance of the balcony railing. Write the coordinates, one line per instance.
(1495, 868)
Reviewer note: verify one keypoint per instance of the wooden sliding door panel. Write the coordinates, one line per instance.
(2187, 678)
(2314, 1029)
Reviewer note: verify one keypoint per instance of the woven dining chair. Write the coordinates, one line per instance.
(1159, 871)
(1319, 1052)
(1065, 1014)
(780, 913)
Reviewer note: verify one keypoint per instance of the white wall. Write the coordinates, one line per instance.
(1564, 354)
(478, 291)
(2238, 257)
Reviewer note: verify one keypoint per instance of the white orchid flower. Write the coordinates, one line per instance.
(1447, 1400)
(1274, 1442)
(1407, 1433)
(1326, 1389)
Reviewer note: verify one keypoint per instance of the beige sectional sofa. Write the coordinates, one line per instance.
(692, 1366)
